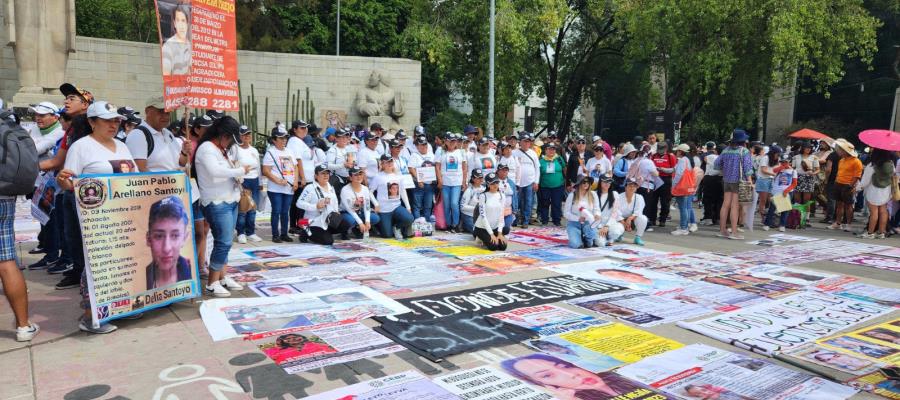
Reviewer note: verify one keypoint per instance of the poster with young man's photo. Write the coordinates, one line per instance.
(138, 242)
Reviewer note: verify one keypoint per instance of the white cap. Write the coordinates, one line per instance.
(44, 107)
(596, 138)
(419, 129)
(103, 110)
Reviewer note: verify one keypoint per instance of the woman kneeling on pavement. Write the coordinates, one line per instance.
(582, 210)
(320, 203)
(610, 230)
(358, 206)
(489, 225)
(630, 210)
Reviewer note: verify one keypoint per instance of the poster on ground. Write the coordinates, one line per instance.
(621, 342)
(640, 308)
(872, 260)
(548, 319)
(703, 372)
(614, 272)
(489, 383)
(879, 384)
(862, 291)
(198, 53)
(409, 385)
(880, 343)
(788, 323)
(834, 359)
(138, 241)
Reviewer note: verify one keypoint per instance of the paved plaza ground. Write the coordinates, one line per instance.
(170, 353)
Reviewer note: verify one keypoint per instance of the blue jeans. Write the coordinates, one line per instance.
(551, 198)
(281, 213)
(400, 218)
(222, 218)
(451, 196)
(467, 222)
(580, 234)
(686, 211)
(507, 223)
(770, 216)
(246, 222)
(423, 201)
(374, 218)
(526, 203)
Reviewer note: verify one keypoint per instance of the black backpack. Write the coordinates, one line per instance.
(149, 137)
(18, 159)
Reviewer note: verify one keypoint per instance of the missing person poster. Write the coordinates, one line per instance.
(198, 51)
(138, 241)
(879, 343)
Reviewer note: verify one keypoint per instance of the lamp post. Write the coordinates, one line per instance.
(337, 39)
(490, 116)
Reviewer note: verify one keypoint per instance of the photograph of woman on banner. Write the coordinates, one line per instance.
(166, 236)
(711, 392)
(176, 50)
(292, 345)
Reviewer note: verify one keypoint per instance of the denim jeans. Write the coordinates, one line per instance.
(451, 196)
(374, 218)
(423, 201)
(72, 234)
(551, 198)
(246, 222)
(222, 218)
(770, 216)
(526, 203)
(507, 223)
(580, 234)
(686, 211)
(467, 223)
(399, 218)
(281, 213)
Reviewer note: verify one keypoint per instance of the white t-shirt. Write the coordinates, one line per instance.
(711, 169)
(391, 195)
(166, 148)
(336, 157)
(307, 157)
(248, 156)
(513, 165)
(88, 156)
(783, 180)
(624, 209)
(485, 162)
(645, 170)
(452, 167)
(418, 160)
(529, 167)
(598, 167)
(283, 164)
(491, 211)
(367, 159)
(353, 202)
(762, 162)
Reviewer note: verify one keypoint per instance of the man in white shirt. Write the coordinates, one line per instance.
(48, 130)
(153, 147)
(529, 175)
(368, 155)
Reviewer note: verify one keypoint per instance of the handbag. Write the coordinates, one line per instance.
(745, 187)
(333, 219)
(246, 203)
(686, 186)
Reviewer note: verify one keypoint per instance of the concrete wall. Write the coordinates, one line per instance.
(128, 73)
(780, 112)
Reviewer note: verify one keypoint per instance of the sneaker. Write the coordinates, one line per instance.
(866, 235)
(397, 234)
(69, 282)
(740, 229)
(638, 241)
(765, 227)
(286, 238)
(692, 228)
(103, 329)
(680, 232)
(230, 284)
(712, 223)
(60, 268)
(736, 237)
(26, 333)
(43, 263)
(780, 229)
(649, 229)
(845, 227)
(879, 236)
(276, 239)
(242, 239)
(36, 250)
(255, 238)
(834, 226)
(217, 290)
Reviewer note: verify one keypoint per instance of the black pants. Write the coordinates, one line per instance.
(647, 194)
(295, 213)
(72, 234)
(326, 237)
(661, 198)
(485, 237)
(713, 193)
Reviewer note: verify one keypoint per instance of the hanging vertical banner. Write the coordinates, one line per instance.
(138, 242)
(198, 42)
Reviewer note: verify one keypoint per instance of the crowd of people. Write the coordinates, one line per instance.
(326, 183)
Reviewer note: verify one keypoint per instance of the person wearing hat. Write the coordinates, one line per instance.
(489, 223)
(48, 131)
(340, 158)
(422, 162)
(806, 164)
(198, 127)
(471, 134)
(578, 159)
(783, 184)
(623, 165)
(582, 210)
(359, 207)
(687, 220)
(396, 212)
(282, 170)
(608, 228)
(321, 208)
(876, 185)
(507, 158)
(711, 189)
(527, 177)
(76, 103)
(401, 165)
(736, 166)
(469, 200)
(598, 165)
(848, 172)
(298, 144)
(132, 120)
(368, 155)
(552, 185)
(483, 159)
(157, 148)
(451, 169)
(629, 211)
(247, 155)
(510, 193)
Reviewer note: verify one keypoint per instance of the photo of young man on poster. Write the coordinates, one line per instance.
(175, 26)
(166, 236)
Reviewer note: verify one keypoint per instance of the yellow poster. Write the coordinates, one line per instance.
(415, 243)
(138, 241)
(464, 251)
(879, 343)
(621, 342)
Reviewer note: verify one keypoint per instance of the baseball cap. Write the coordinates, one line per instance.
(484, 141)
(476, 173)
(386, 157)
(215, 114)
(103, 110)
(341, 132)
(419, 129)
(322, 168)
(394, 143)
(44, 108)
(785, 157)
(596, 138)
(683, 147)
(354, 171)
(244, 130)
(598, 147)
(630, 181)
(400, 135)
(491, 178)
(299, 123)
(313, 129)
(422, 140)
(203, 121)
(469, 129)
(376, 127)
(68, 89)
(279, 133)
(126, 111)
(328, 132)
(502, 166)
(526, 136)
(606, 178)
(156, 102)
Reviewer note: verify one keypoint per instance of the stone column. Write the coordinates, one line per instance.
(42, 33)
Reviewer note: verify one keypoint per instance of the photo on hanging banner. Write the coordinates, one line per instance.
(42, 201)
(138, 241)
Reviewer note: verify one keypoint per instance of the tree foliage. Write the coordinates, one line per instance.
(132, 20)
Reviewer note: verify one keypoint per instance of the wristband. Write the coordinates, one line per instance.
(182, 153)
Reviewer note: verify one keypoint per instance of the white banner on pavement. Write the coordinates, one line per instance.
(409, 385)
(489, 383)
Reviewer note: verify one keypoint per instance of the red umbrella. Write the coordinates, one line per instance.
(811, 134)
(881, 139)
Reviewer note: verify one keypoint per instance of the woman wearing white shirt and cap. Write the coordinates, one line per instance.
(489, 225)
(396, 213)
(630, 211)
(322, 210)
(469, 200)
(247, 155)
(608, 227)
(280, 167)
(581, 210)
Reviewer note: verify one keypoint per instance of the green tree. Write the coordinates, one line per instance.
(132, 20)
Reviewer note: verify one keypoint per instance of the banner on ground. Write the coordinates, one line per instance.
(703, 372)
(640, 308)
(505, 297)
(548, 319)
(878, 384)
(489, 383)
(788, 323)
(833, 359)
(198, 52)
(861, 291)
(880, 343)
(138, 241)
(409, 385)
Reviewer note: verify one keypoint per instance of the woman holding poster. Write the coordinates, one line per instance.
(176, 50)
(97, 153)
(219, 182)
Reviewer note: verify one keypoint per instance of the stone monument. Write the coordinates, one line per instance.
(379, 102)
(42, 34)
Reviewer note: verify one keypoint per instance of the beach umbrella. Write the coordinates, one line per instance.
(811, 134)
(881, 139)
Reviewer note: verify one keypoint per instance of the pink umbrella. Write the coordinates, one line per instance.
(881, 139)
